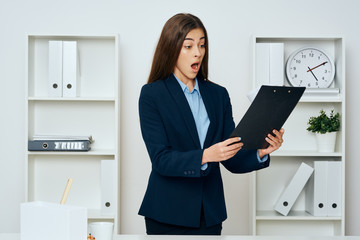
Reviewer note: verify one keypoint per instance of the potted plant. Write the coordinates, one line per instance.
(325, 128)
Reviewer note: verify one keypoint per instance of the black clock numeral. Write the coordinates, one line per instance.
(298, 61)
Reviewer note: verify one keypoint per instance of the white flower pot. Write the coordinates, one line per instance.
(326, 142)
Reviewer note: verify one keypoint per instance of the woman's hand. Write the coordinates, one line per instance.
(274, 141)
(222, 151)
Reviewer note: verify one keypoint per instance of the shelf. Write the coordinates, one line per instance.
(302, 153)
(293, 215)
(89, 153)
(85, 99)
(98, 64)
(73, 37)
(299, 145)
(96, 214)
(337, 98)
(94, 111)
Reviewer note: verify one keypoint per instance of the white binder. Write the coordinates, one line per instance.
(269, 64)
(108, 187)
(55, 69)
(262, 62)
(316, 190)
(294, 188)
(70, 69)
(276, 64)
(334, 189)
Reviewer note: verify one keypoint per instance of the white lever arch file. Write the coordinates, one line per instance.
(70, 69)
(55, 74)
(334, 189)
(294, 188)
(316, 190)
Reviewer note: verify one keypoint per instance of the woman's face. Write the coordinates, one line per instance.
(191, 55)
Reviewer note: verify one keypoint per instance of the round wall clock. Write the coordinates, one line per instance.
(310, 67)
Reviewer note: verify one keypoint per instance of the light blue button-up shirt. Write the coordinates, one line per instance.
(200, 115)
(198, 110)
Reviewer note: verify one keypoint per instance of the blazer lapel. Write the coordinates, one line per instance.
(210, 106)
(183, 106)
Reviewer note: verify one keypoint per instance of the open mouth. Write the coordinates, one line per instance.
(195, 66)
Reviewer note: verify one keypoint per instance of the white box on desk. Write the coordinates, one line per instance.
(44, 221)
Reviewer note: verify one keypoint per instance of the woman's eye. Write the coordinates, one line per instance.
(202, 45)
(187, 47)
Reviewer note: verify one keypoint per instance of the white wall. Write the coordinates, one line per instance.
(230, 25)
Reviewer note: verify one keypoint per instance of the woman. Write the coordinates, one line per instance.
(185, 122)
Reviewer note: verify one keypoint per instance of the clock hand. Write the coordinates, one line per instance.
(312, 73)
(316, 66)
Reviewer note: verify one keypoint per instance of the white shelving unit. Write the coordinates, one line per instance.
(95, 112)
(300, 146)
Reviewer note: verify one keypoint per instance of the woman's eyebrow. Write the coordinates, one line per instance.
(191, 39)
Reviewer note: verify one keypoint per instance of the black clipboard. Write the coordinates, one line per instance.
(269, 110)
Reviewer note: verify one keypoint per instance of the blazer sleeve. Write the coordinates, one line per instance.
(244, 160)
(167, 159)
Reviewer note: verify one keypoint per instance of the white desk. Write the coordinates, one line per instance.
(16, 236)
(142, 237)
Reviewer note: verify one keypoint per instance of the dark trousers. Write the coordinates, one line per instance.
(157, 228)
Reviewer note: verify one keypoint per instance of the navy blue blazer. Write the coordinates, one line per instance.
(177, 186)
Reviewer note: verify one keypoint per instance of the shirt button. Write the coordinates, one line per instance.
(185, 172)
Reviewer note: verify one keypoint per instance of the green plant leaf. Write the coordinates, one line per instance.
(324, 123)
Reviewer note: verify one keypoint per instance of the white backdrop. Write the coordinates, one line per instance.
(230, 25)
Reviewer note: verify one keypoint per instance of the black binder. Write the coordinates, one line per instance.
(59, 145)
(270, 109)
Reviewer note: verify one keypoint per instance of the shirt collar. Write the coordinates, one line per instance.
(185, 88)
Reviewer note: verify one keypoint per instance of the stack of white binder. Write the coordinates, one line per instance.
(323, 191)
(64, 69)
(322, 184)
(269, 65)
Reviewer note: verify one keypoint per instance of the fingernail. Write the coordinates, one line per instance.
(239, 138)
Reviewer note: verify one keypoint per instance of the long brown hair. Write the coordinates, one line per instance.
(171, 40)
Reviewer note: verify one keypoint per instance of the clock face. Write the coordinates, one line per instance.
(311, 68)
